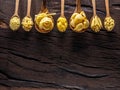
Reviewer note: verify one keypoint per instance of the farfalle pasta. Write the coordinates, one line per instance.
(79, 22)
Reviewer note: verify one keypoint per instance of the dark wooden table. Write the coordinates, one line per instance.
(59, 61)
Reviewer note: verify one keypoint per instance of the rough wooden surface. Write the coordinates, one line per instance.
(28, 88)
(73, 61)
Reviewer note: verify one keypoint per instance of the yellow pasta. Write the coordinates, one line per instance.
(62, 24)
(79, 22)
(14, 23)
(96, 24)
(39, 17)
(46, 24)
(109, 23)
(44, 21)
(27, 23)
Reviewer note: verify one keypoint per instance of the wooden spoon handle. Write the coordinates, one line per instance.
(94, 7)
(78, 6)
(43, 7)
(62, 7)
(16, 7)
(107, 8)
(28, 8)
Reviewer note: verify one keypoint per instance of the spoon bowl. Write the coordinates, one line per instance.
(27, 22)
(95, 22)
(62, 23)
(45, 20)
(109, 22)
(78, 21)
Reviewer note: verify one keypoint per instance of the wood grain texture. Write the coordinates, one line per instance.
(27, 88)
(73, 61)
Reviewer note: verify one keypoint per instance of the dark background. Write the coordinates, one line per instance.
(69, 61)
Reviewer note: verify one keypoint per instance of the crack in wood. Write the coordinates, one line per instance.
(116, 6)
(46, 84)
(94, 67)
(83, 74)
(39, 61)
(2, 84)
(30, 69)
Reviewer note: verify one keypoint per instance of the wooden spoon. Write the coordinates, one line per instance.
(109, 22)
(62, 8)
(62, 21)
(16, 11)
(29, 8)
(94, 8)
(43, 10)
(28, 11)
(78, 9)
(96, 23)
(107, 8)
